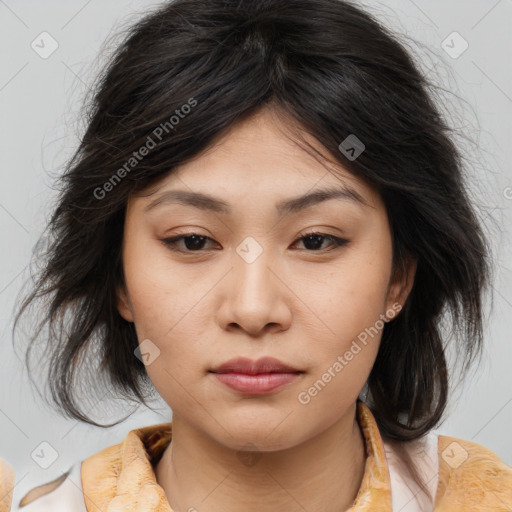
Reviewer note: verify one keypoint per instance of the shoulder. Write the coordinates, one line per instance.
(63, 494)
(66, 493)
(472, 476)
(94, 481)
(459, 474)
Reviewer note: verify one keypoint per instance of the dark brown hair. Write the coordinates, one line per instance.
(336, 71)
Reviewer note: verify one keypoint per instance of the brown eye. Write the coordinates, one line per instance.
(192, 242)
(314, 241)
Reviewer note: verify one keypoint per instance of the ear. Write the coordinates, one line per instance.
(124, 304)
(401, 283)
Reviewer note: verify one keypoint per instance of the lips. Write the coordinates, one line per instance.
(260, 377)
(264, 365)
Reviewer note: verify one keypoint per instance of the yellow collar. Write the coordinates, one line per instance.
(122, 477)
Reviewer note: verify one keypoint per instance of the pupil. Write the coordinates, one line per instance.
(196, 242)
(317, 238)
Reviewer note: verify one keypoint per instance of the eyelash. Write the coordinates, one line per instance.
(337, 242)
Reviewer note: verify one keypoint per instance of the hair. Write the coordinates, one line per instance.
(333, 70)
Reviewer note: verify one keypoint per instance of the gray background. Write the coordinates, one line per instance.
(40, 100)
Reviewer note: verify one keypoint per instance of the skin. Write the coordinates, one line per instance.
(298, 302)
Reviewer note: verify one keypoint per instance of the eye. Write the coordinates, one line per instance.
(315, 240)
(195, 243)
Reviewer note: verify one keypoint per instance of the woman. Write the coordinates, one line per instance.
(264, 222)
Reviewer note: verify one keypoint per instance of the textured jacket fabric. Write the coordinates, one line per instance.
(461, 476)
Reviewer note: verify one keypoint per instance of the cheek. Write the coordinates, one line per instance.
(354, 295)
(170, 314)
(153, 288)
(342, 359)
(350, 305)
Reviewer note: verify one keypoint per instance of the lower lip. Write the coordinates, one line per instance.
(255, 384)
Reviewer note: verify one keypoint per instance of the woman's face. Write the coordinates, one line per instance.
(249, 286)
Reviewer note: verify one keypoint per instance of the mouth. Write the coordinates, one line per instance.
(255, 377)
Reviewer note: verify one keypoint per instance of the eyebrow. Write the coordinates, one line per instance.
(287, 206)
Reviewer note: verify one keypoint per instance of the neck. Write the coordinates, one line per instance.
(198, 473)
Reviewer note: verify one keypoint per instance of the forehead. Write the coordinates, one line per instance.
(265, 156)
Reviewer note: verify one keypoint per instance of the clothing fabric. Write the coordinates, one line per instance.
(461, 476)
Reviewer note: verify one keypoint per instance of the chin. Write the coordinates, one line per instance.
(263, 436)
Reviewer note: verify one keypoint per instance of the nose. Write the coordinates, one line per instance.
(255, 297)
